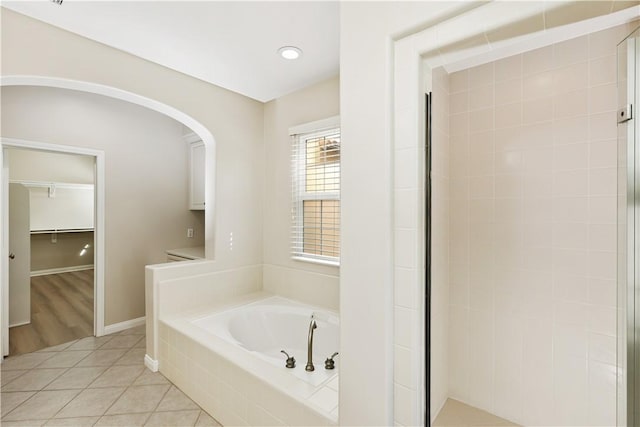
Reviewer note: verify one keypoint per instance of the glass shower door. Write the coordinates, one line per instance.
(628, 319)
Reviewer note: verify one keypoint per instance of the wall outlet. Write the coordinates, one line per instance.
(190, 233)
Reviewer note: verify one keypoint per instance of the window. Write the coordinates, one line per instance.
(316, 194)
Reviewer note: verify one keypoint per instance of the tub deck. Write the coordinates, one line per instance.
(234, 384)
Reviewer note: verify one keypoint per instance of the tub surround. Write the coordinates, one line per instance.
(170, 289)
(310, 287)
(249, 391)
(231, 382)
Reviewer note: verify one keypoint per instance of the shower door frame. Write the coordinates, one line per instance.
(629, 289)
(427, 227)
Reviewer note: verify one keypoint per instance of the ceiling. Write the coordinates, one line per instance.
(232, 44)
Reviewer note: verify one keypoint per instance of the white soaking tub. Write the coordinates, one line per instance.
(228, 360)
(271, 325)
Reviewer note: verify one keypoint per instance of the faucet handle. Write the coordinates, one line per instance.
(291, 361)
(329, 363)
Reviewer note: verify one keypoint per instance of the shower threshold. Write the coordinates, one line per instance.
(455, 413)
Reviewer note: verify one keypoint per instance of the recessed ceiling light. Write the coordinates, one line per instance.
(290, 52)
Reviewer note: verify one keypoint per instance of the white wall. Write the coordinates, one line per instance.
(146, 177)
(30, 165)
(33, 48)
(366, 275)
(308, 282)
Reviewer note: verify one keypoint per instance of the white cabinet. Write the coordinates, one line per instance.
(196, 173)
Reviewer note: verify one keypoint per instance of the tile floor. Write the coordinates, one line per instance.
(93, 382)
(458, 414)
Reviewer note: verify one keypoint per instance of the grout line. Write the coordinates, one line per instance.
(88, 387)
(13, 379)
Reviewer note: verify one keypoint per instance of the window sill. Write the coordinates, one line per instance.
(317, 261)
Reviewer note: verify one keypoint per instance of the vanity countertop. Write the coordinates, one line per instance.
(196, 252)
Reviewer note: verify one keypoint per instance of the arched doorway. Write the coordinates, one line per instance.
(110, 92)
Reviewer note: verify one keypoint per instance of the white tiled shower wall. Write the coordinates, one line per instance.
(409, 232)
(440, 238)
(532, 320)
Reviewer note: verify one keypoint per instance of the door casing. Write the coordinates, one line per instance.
(99, 231)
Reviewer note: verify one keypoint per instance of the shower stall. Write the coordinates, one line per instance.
(628, 310)
(531, 187)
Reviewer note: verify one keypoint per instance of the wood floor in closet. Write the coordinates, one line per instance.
(61, 311)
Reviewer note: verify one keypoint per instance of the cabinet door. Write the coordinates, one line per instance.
(196, 175)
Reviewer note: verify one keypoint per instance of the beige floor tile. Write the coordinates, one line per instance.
(91, 402)
(118, 376)
(59, 347)
(128, 420)
(65, 359)
(90, 343)
(23, 423)
(102, 358)
(7, 376)
(76, 378)
(10, 401)
(139, 399)
(25, 361)
(135, 356)
(138, 330)
(73, 422)
(150, 378)
(34, 380)
(206, 420)
(176, 400)
(94, 381)
(42, 406)
(173, 418)
(122, 341)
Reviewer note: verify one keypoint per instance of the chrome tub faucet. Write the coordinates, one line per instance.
(312, 325)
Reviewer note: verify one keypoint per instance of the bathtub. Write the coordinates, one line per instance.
(266, 327)
(228, 360)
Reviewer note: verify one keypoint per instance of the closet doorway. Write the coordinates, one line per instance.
(52, 271)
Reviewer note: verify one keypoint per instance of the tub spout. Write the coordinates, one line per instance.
(312, 326)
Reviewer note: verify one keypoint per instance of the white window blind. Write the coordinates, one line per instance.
(316, 196)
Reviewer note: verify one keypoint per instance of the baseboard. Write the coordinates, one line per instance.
(117, 327)
(26, 322)
(150, 363)
(61, 270)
